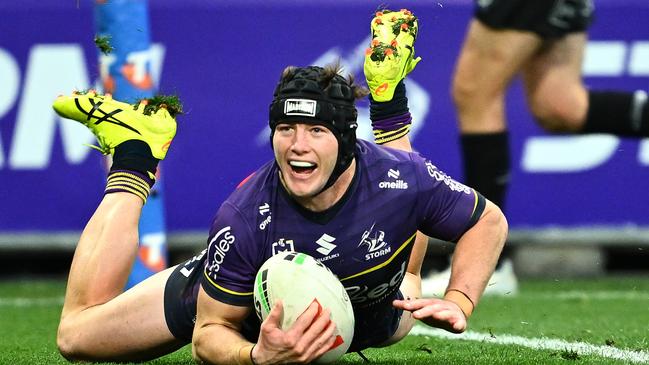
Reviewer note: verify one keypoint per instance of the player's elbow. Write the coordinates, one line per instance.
(67, 342)
(495, 220)
(197, 342)
(203, 351)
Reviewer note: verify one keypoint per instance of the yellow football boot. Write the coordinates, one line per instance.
(390, 56)
(114, 122)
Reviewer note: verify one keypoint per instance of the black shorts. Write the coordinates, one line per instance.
(376, 326)
(547, 18)
(180, 296)
(373, 327)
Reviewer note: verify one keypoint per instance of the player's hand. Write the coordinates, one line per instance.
(309, 337)
(438, 313)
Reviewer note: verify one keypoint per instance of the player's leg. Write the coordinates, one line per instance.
(128, 327)
(98, 321)
(388, 60)
(561, 103)
(126, 73)
(488, 61)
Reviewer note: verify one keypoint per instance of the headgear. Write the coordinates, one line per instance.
(307, 95)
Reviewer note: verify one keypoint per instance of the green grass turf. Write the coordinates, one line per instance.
(611, 311)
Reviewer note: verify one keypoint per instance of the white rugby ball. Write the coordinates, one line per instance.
(298, 279)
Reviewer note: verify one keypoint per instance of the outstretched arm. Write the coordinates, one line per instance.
(473, 263)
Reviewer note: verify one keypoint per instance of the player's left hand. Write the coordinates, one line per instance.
(434, 312)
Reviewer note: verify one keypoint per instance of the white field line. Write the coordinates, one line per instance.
(31, 302)
(595, 295)
(581, 348)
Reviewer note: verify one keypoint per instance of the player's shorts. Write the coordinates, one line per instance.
(547, 18)
(181, 291)
(378, 324)
(180, 296)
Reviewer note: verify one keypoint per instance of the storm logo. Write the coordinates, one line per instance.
(376, 246)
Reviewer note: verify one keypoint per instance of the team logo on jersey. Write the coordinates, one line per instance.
(395, 183)
(376, 246)
(326, 246)
(264, 209)
(440, 176)
(282, 245)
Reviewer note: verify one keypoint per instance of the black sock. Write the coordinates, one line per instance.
(486, 168)
(397, 106)
(622, 114)
(486, 164)
(134, 155)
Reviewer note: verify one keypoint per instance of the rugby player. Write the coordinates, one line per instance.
(543, 41)
(354, 206)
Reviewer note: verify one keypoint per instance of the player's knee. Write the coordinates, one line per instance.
(557, 115)
(463, 92)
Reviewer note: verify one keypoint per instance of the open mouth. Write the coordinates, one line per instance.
(302, 167)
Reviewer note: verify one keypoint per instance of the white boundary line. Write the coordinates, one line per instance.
(30, 302)
(581, 348)
(594, 295)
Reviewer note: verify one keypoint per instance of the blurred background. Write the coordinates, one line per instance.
(577, 205)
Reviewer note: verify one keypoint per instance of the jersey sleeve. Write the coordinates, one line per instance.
(232, 258)
(446, 208)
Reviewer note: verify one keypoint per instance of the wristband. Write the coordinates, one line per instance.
(461, 299)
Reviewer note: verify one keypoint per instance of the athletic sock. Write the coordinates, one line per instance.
(133, 169)
(397, 106)
(391, 120)
(486, 164)
(135, 155)
(622, 114)
(486, 168)
(128, 181)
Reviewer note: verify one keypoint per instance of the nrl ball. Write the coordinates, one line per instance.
(297, 279)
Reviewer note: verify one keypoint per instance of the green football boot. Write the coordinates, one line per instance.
(391, 54)
(114, 122)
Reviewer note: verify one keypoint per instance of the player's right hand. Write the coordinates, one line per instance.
(435, 312)
(308, 338)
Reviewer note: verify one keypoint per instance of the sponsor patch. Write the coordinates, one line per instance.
(303, 107)
(218, 247)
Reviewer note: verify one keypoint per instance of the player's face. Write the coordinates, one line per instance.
(306, 155)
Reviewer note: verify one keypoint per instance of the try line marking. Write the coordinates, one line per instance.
(31, 302)
(581, 348)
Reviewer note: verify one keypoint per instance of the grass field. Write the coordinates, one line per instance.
(594, 321)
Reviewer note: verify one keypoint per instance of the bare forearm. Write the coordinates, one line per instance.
(477, 253)
(219, 344)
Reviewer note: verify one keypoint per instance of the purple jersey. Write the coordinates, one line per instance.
(365, 238)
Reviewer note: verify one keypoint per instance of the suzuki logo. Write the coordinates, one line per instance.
(326, 244)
